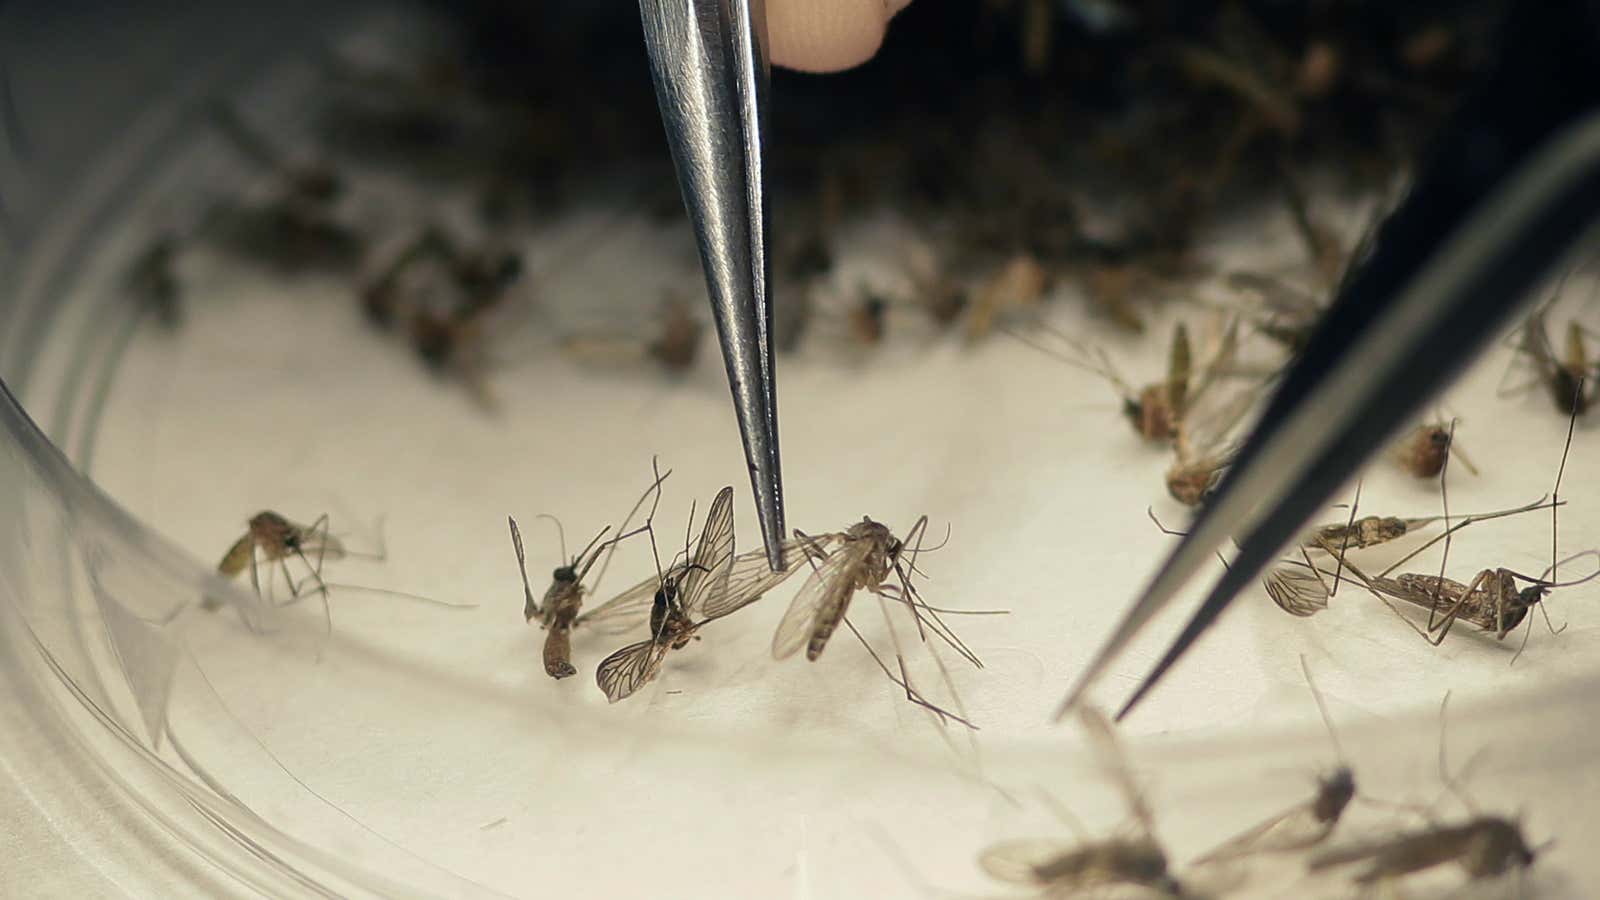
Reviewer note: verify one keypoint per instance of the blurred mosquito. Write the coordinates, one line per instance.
(1485, 846)
(1203, 446)
(1303, 825)
(558, 612)
(1020, 283)
(1061, 868)
(295, 227)
(153, 284)
(866, 557)
(672, 342)
(684, 603)
(1564, 374)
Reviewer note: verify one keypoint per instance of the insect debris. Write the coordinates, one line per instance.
(866, 557)
(1306, 824)
(1059, 868)
(558, 612)
(1485, 846)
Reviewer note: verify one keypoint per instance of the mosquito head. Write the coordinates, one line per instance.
(1566, 390)
(1334, 792)
(564, 575)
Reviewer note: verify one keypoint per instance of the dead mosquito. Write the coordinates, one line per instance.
(1203, 446)
(1304, 825)
(1495, 600)
(1020, 283)
(295, 227)
(558, 612)
(1485, 846)
(683, 604)
(1299, 587)
(869, 557)
(1062, 868)
(1562, 374)
(673, 341)
(271, 540)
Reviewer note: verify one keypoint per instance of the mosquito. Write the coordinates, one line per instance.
(1019, 283)
(1203, 447)
(153, 284)
(1062, 868)
(867, 556)
(295, 228)
(1563, 374)
(1485, 846)
(273, 539)
(683, 604)
(1495, 600)
(1304, 825)
(673, 342)
(558, 612)
(1298, 586)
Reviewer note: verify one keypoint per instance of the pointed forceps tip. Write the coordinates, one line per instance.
(709, 64)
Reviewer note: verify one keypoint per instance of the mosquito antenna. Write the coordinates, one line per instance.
(561, 534)
(649, 524)
(530, 607)
(1322, 708)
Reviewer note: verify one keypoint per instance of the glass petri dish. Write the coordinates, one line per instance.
(387, 746)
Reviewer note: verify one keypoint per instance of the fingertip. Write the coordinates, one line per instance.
(827, 35)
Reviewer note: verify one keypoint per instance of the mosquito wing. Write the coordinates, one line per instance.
(1296, 828)
(707, 575)
(751, 578)
(828, 579)
(1108, 751)
(1019, 861)
(238, 556)
(1296, 591)
(629, 669)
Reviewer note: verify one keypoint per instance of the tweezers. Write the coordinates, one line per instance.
(1511, 185)
(709, 63)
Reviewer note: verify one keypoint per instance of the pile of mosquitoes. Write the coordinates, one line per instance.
(1060, 151)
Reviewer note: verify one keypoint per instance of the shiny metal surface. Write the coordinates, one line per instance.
(708, 60)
